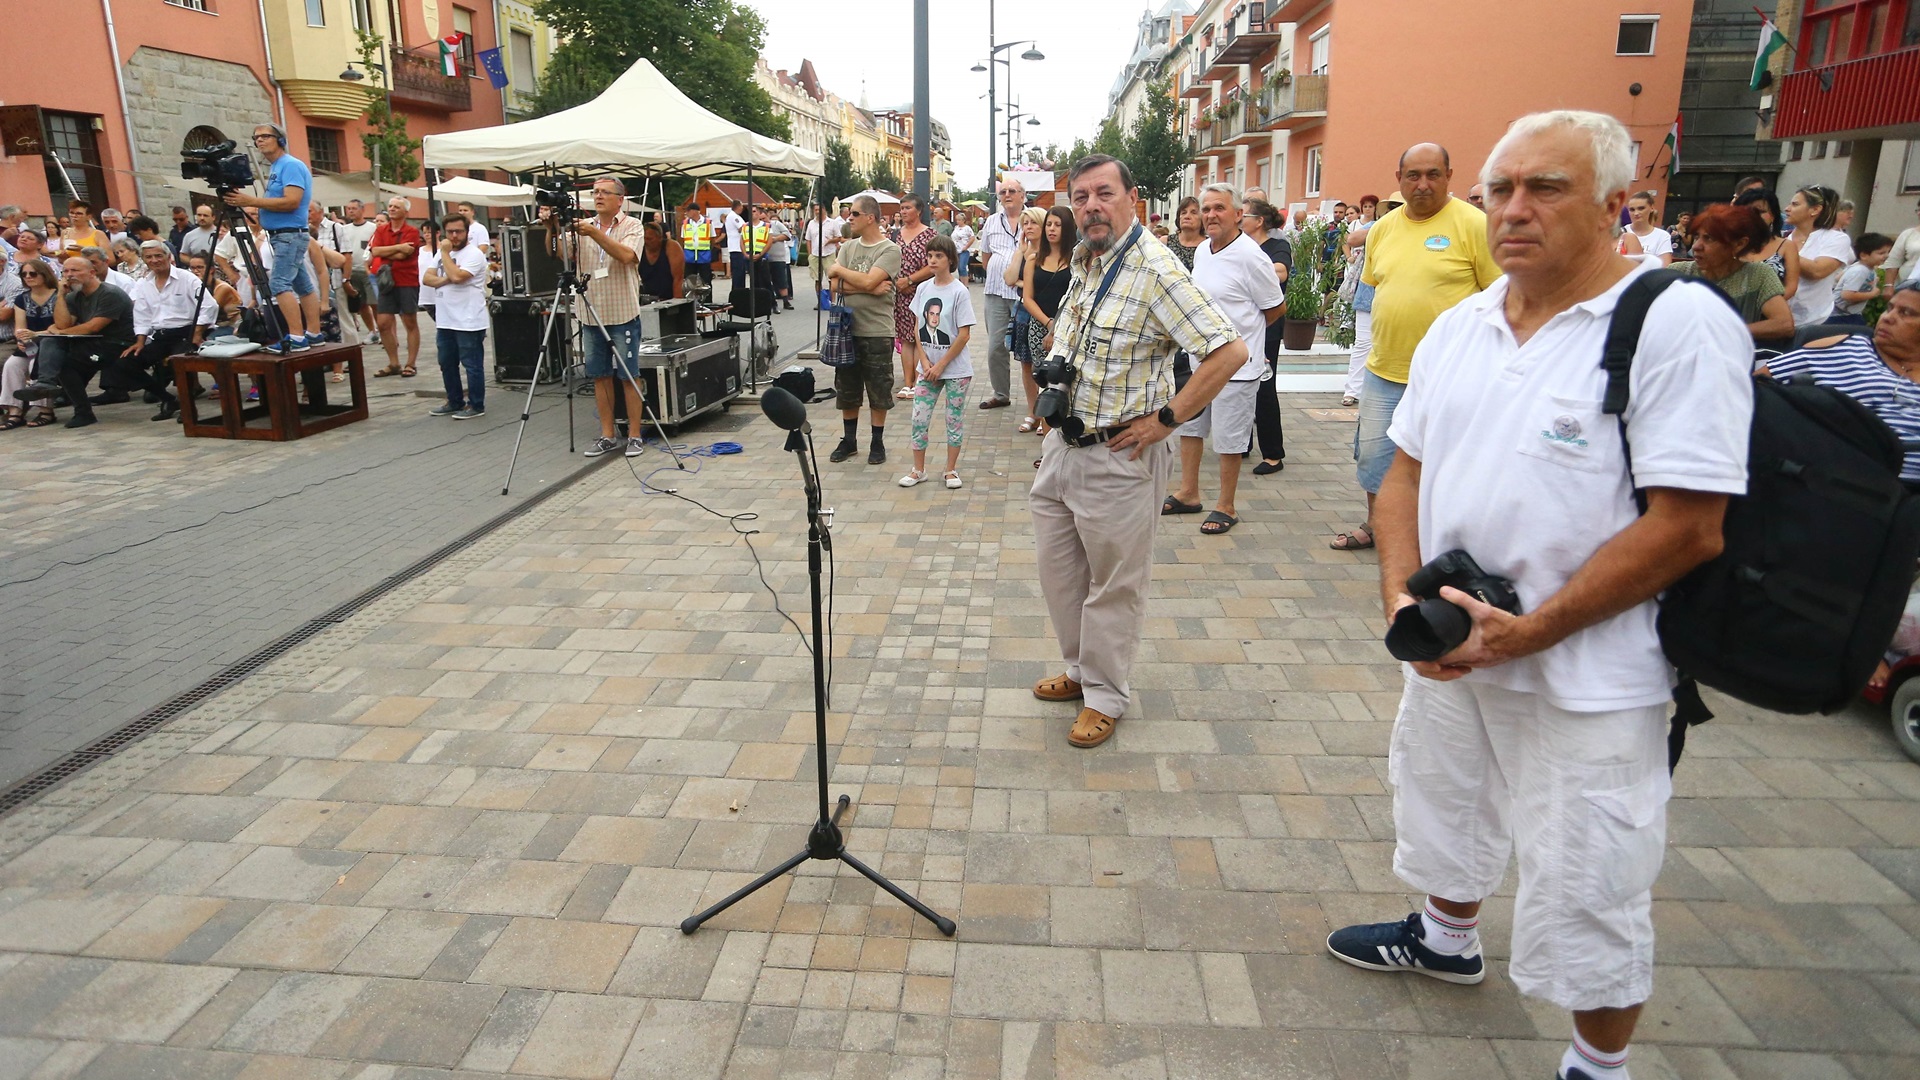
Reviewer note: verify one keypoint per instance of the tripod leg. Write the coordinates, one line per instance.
(944, 924)
(526, 410)
(633, 381)
(692, 922)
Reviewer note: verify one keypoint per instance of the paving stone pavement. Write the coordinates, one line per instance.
(454, 835)
(139, 563)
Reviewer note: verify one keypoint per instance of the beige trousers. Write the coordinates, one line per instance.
(1094, 515)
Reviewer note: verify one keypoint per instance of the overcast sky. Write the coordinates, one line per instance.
(1086, 42)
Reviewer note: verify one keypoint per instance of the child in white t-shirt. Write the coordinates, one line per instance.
(943, 321)
(1860, 281)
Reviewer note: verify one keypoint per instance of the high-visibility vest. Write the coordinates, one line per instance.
(757, 241)
(696, 239)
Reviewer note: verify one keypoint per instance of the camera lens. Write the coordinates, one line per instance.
(1428, 630)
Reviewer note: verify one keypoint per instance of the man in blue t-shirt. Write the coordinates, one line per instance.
(283, 213)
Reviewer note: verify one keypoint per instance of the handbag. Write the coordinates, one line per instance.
(383, 277)
(836, 347)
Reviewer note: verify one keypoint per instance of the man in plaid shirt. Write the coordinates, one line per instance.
(1097, 496)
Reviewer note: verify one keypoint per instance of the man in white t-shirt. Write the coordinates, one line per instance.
(356, 236)
(458, 277)
(727, 220)
(1239, 276)
(476, 229)
(822, 238)
(1547, 731)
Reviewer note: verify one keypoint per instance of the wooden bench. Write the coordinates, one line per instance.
(280, 379)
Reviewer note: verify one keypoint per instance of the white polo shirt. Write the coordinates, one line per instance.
(1522, 470)
(1241, 280)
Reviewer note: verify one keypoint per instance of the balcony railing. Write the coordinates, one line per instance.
(1246, 36)
(1301, 98)
(419, 83)
(1873, 92)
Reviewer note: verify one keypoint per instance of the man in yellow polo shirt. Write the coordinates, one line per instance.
(1422, 259)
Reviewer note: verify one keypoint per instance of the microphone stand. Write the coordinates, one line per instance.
(825, 842)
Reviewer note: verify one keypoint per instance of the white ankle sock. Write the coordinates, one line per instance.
(1600, 1066)
(1448, 934)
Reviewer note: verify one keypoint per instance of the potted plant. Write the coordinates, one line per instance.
(1304, 287)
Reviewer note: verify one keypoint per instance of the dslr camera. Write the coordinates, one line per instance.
(1055, 374)
(218, 166)
(1432, 627)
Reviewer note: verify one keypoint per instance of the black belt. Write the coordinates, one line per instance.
(283, 232)
(1095, 438)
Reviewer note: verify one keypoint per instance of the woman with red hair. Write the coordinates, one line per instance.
(1722, 234)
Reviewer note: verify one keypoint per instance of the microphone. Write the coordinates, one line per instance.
(787, 412)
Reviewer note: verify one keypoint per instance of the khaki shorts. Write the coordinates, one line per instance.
(872, 373)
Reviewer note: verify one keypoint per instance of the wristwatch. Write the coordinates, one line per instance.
(1167, 418)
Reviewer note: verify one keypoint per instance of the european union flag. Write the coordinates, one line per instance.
(496, 68)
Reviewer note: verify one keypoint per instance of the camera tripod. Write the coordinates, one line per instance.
(233, 221)
(572, 289)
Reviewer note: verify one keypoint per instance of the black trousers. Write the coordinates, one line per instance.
(1266, 417)
(73, 364)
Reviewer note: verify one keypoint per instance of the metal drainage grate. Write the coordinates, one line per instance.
(112, 743)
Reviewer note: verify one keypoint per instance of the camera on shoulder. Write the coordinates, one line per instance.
(1433, 627)
(1055, 375)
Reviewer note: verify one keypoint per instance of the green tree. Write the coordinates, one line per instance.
(706, 48)
(882, 178)
(839, 178)
(386, 129)
(1110, 140)
(1155, 151)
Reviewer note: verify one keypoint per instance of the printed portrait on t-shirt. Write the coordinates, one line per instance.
(931, 330)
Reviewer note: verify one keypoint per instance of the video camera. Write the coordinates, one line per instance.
(218, 166)
(556, 192)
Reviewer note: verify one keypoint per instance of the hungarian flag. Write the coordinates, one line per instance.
(1673, 149)
(450, 53)
(1771, 41)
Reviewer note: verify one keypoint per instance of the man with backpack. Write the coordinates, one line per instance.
(1546, 731)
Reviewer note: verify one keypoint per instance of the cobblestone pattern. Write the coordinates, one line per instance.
(455, 838)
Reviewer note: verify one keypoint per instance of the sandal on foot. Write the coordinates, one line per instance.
(383, 373)
(1058, 688)
(1026, 426)
(1218, 523)
(914, 476)
(1349, 401)
(12, 422)
(408, 372)
(42, 420)
(1175, 506)
(953, 481)
(339, 377)
(1091, 728)
(1360, 539)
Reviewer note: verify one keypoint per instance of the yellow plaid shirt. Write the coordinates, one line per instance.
(1125, 348)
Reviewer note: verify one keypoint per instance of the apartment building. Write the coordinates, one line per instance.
(1314, 100)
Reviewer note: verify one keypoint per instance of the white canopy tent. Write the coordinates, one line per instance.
(467, 189)
(641, 124)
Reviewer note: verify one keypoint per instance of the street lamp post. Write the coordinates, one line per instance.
(994, 49)
(1014, 114)
(353, 74)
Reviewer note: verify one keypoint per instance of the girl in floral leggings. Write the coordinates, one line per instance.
(942, 322)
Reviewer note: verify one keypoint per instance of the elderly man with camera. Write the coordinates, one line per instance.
(1534, 717)
(283, 213)
(1109, 398)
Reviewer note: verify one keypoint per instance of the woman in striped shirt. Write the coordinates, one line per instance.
(1883, 374)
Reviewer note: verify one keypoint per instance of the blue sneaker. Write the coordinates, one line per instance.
(314, 341)
(292, 343)
(1395, 946)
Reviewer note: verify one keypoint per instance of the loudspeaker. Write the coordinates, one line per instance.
(517, 323)
(527, 268)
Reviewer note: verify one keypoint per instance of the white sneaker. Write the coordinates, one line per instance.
(912, 478)
(953, 481)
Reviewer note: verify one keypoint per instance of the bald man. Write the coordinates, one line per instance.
(1422, 259)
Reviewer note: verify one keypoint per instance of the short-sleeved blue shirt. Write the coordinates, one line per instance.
(289, 171)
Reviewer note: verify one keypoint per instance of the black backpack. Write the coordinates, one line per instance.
(1797, 609)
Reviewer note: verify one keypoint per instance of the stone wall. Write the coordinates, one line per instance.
(170, 94)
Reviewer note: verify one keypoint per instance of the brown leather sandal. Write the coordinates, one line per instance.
(1058, 688)
(1091, 728)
